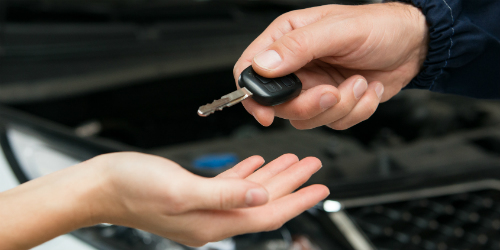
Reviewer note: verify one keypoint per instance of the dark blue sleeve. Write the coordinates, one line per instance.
(464, 47)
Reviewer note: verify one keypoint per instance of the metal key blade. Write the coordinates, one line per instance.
(225, 101)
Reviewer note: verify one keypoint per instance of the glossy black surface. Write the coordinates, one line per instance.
(270, 92)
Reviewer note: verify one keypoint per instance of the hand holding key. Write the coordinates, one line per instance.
(348, 58)
(265, 91)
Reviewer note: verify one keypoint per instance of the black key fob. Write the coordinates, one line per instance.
(270, 91)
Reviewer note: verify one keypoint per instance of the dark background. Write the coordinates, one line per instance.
(135, 72)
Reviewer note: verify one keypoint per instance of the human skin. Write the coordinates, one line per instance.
(159, 196)
(349, 59)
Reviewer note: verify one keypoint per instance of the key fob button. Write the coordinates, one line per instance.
(263, 79)
(287, 81)
(276, 91)
(273, 87)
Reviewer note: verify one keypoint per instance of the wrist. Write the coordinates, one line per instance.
(421, 29)
(440, 40)
(81, 193)
(96, 199)
(417, 33)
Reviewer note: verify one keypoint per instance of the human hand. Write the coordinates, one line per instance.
(349, 59)
(157, 195)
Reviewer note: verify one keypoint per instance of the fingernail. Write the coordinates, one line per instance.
(379, 90)
(359, 88)
(269, 59)
(327, 100)
(256, 197)
(320, 167)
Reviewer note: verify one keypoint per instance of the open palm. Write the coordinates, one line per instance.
(159, 196)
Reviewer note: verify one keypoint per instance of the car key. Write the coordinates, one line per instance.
(265, 91)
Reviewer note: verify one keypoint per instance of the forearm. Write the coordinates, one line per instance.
(42, 209)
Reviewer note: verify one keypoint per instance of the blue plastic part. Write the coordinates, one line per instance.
(215, 161)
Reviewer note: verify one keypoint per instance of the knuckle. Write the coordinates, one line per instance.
(178, 207)
(295, 42)
(285, 17)
(191, 241)
(299, 125)
(369, 111)
(339, 125)
(222, 199)
(301, 112)
(204, 236)
(274, 225)
(342, 109)
(226, 198)
(373, 105)
(303, 178)
(360, 120)
(177, 204)
(196, 243)
(282, 18)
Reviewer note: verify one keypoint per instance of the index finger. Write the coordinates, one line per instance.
(244, 168)
(264, 115)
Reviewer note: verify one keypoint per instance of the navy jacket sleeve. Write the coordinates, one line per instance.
(464, 47)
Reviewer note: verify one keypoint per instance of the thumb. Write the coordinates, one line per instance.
(298, 47)
(288, 54)
(225, 194)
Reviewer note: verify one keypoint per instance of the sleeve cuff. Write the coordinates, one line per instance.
(440, 16)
